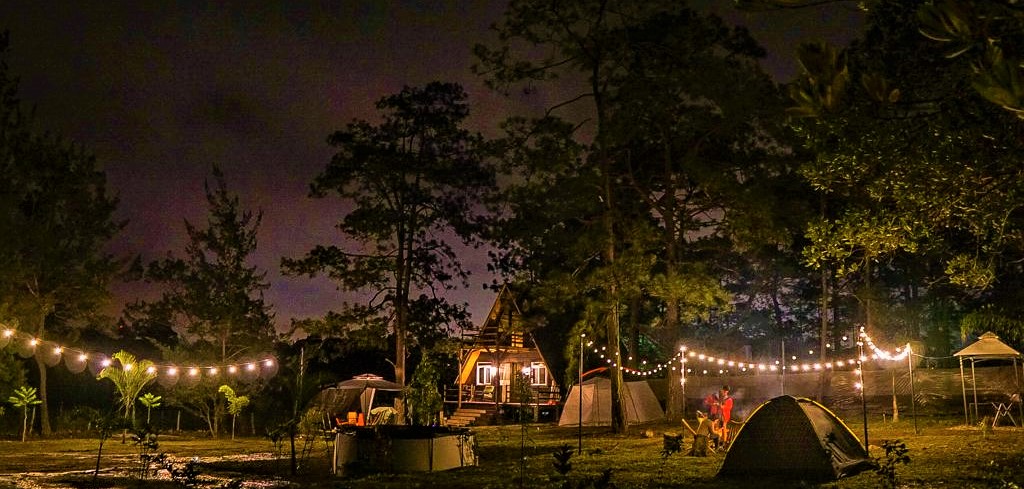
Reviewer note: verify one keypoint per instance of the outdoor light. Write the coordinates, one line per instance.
(58, 350)
(172, 371)
(82, 357)
(268, 363)
(250, 367)
(193, 371)
(232, 369)
(213, 370)
(127, 367)
(8, 333)
(33, 342)
(105, 362)
(526, 370)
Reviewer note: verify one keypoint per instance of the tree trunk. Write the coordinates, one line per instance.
(44, 408)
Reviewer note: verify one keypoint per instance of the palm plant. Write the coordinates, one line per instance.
(150, 401)
(24, 397)
(129, 378)
(235, 405)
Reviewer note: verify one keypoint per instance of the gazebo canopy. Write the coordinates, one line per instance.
(988, 346)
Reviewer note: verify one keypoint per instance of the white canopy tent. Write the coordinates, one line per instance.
(988, 347)
(639, 401)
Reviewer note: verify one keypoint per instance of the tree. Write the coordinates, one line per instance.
(151, 401)
(24, 397)
(57, 218)
(414, 182)
(214, 297)
(672, 125)
(914, 161)
(235, 404)
(129, 376)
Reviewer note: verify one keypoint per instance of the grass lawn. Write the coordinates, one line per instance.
(942, 455)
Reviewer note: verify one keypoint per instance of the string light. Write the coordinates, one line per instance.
(686, 354)
(261, 366)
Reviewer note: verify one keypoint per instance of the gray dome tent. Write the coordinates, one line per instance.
(796, 439)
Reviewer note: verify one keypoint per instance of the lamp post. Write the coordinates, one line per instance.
(579, 387)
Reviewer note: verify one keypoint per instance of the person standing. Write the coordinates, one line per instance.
(720, 412)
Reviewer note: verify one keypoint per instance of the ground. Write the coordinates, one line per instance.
(942, 454)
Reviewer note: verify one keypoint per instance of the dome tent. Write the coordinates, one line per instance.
(796, 439)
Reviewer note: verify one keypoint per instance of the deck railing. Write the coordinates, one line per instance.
(539, 395)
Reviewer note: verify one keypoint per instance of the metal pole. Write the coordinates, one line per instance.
(579, 387)
(863, 398)
(974, 389)
(682, 377)
(913, 399)
(782, 381)
(963, 391)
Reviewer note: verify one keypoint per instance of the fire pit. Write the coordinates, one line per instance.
(391, 448)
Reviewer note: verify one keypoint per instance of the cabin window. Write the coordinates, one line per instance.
(538, 373)
(485, 373)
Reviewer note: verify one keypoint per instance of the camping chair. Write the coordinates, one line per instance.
(381, 415)
(1004, 410)
(488, 394)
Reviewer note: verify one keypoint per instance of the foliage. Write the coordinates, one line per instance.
(105, 424)
(146, 441)
(186, 474)
(664, 163)
(129, 376)
(12, 371)
(212, 293)
(235, 404)
(24, 397)
(562, 462)
(151, 401)
(914, 170)
(422, 395)
(895, 455)
(414, 181)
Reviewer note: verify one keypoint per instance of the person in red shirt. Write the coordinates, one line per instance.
(720, 412)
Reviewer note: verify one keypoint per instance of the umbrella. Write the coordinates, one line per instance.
(368, 384)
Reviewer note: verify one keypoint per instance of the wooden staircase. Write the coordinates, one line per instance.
(465, 416)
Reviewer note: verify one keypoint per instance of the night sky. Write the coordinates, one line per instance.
(160, 91)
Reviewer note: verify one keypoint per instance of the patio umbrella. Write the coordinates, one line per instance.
(368, 384)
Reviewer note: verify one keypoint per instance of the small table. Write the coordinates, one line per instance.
(1002, 410)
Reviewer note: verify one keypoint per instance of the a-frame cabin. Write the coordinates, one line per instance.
(501, 366)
